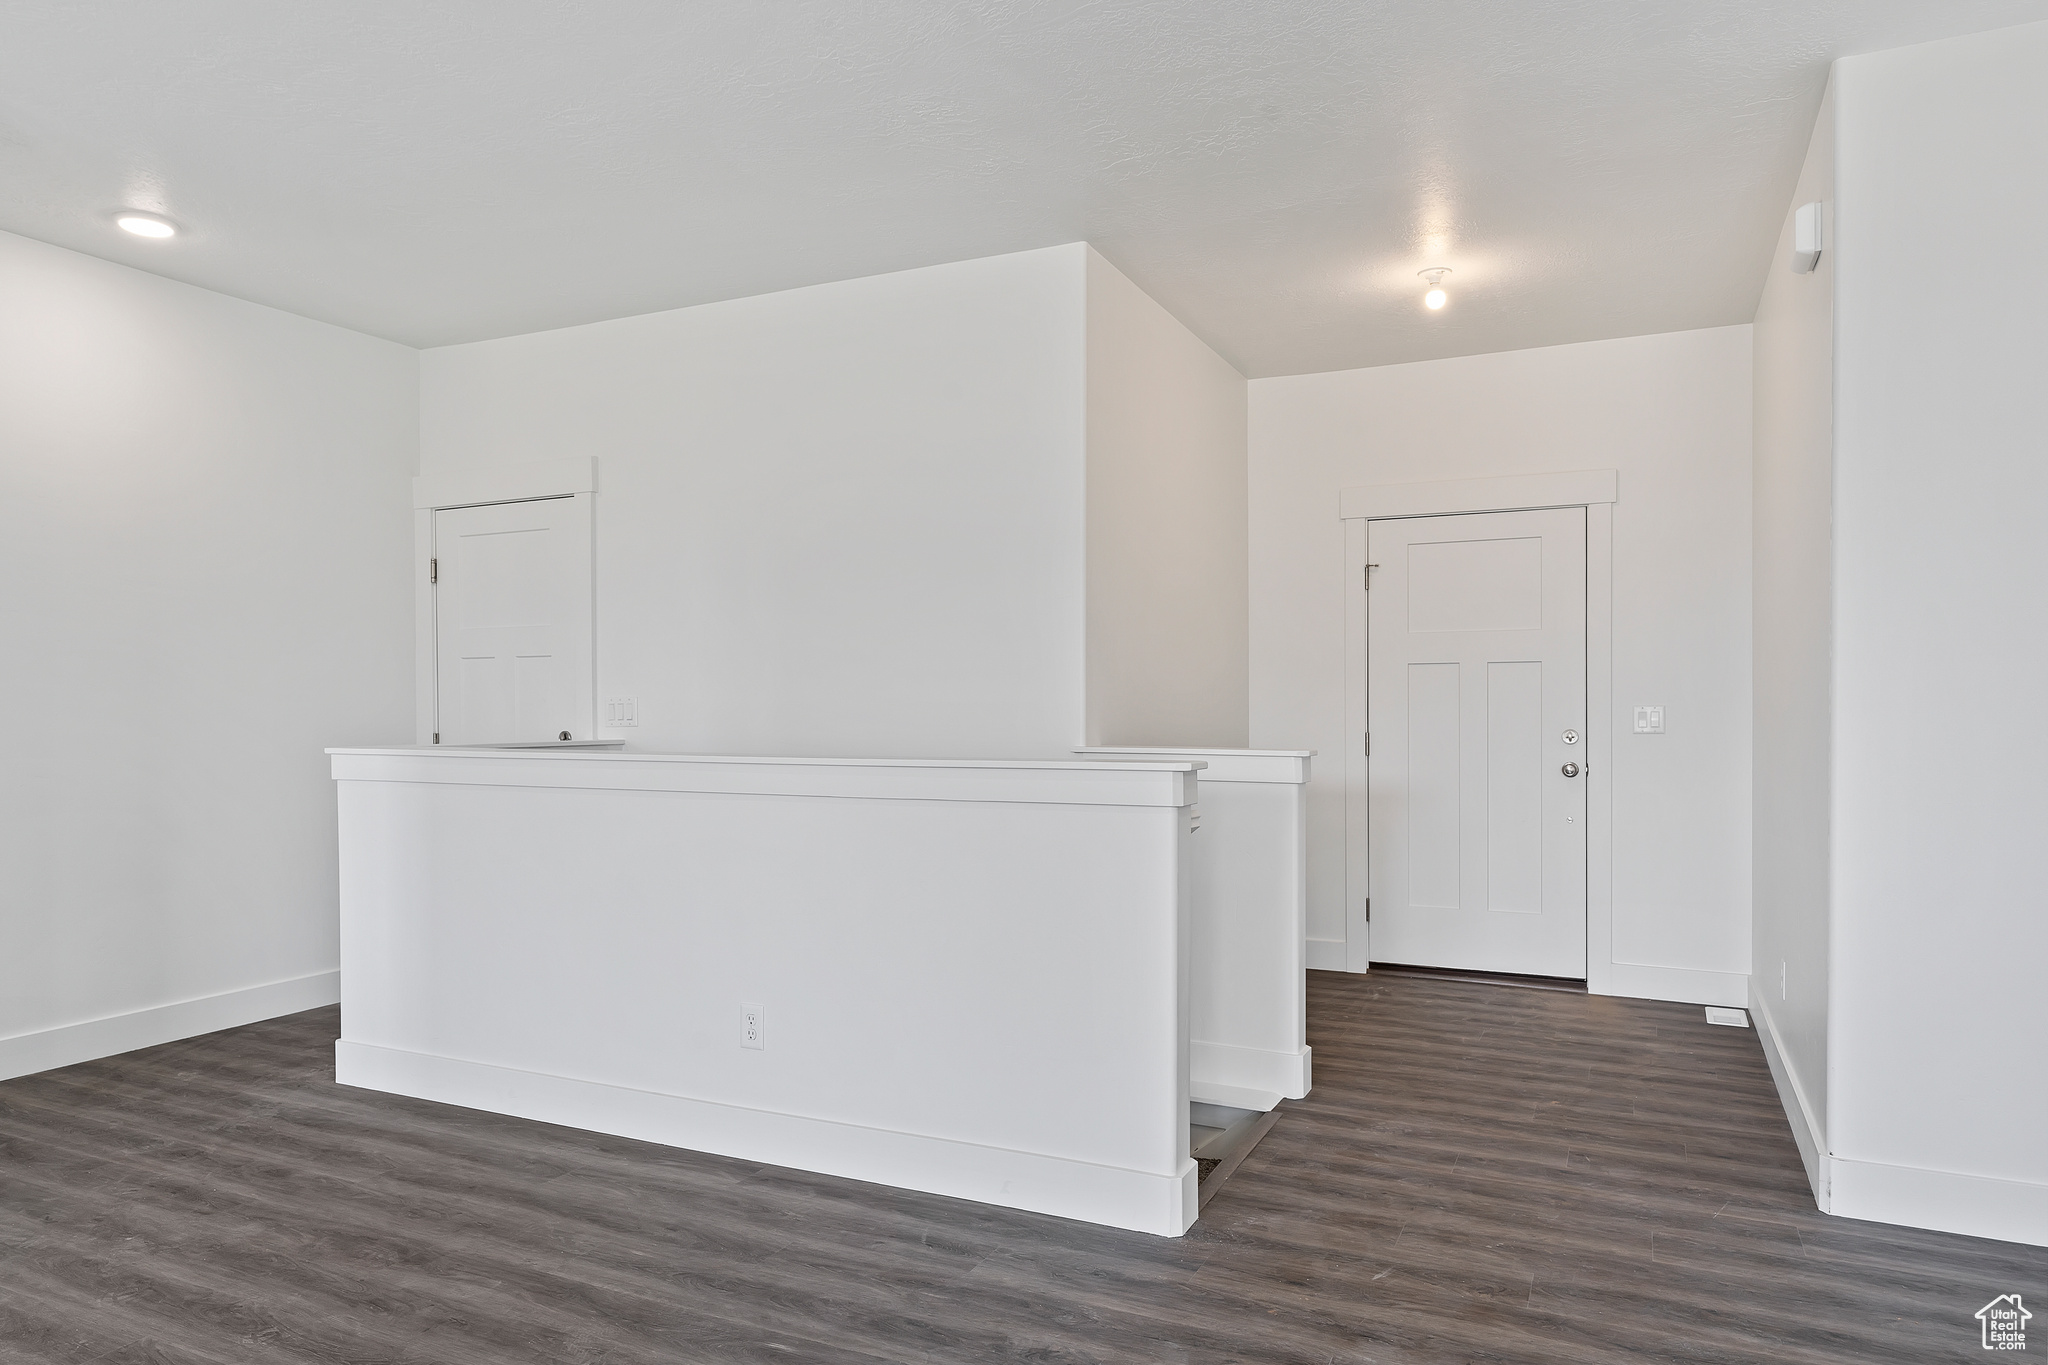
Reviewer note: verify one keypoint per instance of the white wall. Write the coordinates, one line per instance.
(843, 520)
(1937, 1100)
(955, 963)
(204, 536)
(1672, 414)
(1793, 605)
(1167, 611)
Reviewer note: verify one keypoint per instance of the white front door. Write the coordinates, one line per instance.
(512, 615)
(1476, 719)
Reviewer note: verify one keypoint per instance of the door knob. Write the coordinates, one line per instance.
(1571, 770)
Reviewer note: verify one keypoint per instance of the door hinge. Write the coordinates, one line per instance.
(1368, 909)
(437, 736)
(433, 571)
(1368, 745)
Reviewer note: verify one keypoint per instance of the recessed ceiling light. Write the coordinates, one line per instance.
(147, 225)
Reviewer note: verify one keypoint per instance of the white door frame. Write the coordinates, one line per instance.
(572, 478)
(1592, 489)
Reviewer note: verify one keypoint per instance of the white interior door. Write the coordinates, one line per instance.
(512, 615)
(1476, 717)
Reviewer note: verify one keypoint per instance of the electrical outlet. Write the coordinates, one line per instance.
(1649, 720)
(751, 1027)
(620, 712)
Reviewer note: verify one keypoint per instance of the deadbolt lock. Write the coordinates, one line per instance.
(1571, 770)
(1571, 736)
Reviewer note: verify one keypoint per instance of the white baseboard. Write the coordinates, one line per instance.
(1326, 955)
(1945, 1201)
(69, 1044)
(1250, 1068)
(1138, 1200)
(1672, 983)
(1807, 1129)
(1908, 1196)
(1234, 1097)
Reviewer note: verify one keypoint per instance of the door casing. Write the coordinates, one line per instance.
(1595, 490)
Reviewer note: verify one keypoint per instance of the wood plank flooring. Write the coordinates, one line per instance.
(1482, 1174)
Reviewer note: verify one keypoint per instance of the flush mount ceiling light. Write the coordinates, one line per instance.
(146, 224)
(1436, 297)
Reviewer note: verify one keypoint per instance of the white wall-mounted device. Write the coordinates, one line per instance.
(1806, 238)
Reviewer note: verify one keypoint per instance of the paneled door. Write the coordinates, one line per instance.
(512, 617)
(1476, 718)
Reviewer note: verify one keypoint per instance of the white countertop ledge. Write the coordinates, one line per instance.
(1228, 765)
(1039, 781)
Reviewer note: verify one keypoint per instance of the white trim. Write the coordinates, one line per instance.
(554, 745)
(1596, 490)
(1250, 1068)
(1280, 766)
(904, 779)
(25, 1054)
(598, 748)
(1640, 982)
(1879, 1192)
(1601, 722)
(1142, 1201)
(1807, 1130)
(426, 642)
(1454, 497)
(517, 483)
(1326, 954)
(1234, 1096)
(1357, 945)
(1945, 1201)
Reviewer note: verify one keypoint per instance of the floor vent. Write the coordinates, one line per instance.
(1721, 1014)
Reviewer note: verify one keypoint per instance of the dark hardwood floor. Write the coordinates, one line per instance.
(1482, 1174)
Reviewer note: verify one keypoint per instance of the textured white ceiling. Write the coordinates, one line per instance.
(1275, 173)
